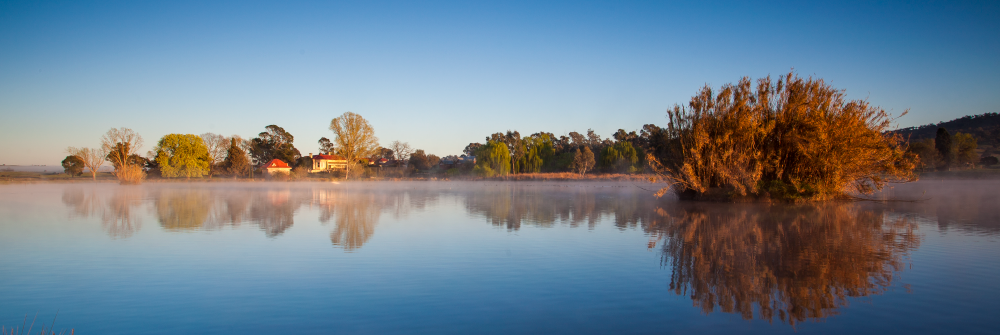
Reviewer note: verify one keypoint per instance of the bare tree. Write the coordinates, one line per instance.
(354, 137)
(218, 146)
(401, 150)
(121, 144)
(92, 158)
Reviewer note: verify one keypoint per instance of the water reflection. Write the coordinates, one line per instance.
(790, 263)
(964, 205)
(355, 216)
(118, 212)
(356, 212)
(122, 218)
(178, 210)
(80, 203)
(510, 206)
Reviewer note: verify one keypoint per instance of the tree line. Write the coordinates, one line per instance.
(510, 153)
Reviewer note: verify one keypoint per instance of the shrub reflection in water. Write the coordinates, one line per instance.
(791, 262)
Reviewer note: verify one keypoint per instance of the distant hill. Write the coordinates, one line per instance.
(985, 127)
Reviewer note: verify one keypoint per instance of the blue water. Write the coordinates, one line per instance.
(451, 257)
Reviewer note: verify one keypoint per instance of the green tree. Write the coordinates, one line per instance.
(942, 142)
(927, 154)
(493, 159)
(419, 160)
(965, 148)
(236, 161)
(273, 143)
(620, 157)
(73, 165)
(433, 160)
(182, 155)
(325, 146)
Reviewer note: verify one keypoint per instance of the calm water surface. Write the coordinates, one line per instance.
(451, 257)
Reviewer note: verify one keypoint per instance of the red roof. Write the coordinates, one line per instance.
(276, 163)
(330, 157)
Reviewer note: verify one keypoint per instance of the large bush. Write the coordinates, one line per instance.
(797, 137)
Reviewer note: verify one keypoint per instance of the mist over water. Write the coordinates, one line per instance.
(495, 257)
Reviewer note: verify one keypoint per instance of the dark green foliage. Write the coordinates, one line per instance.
(236, 162)
(304, 163)
(419, 160)
(989, 161)
(433, 161)
(470, 149)
(273, 143)
(942, 142)
(121, 149)
(620, 157)
(981, 126)
(384, 153)
(73, 165)
(325, 146)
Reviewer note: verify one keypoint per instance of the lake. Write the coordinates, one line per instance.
(494, 257)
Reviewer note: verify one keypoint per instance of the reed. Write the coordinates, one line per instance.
(21, 330)
(793, 139)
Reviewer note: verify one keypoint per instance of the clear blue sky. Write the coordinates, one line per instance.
(442, 74)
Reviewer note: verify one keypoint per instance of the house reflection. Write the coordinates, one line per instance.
(791, 263)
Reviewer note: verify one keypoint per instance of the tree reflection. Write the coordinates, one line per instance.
(274, 210)
(795, 263)
(121, 218)
(512, 206)
(119, 215)
(180, 209)
(81, 204)
(354, 213)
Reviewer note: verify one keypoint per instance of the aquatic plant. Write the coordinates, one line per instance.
(794, 139)
(20, 330)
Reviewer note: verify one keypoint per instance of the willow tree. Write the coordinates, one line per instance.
(354, 138)
(492, 159)
(181, 155)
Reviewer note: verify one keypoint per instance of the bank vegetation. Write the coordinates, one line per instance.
(792, 139)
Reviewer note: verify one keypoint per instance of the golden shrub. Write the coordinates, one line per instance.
(795, 138)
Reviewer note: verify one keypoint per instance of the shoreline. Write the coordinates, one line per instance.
(35, 177)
